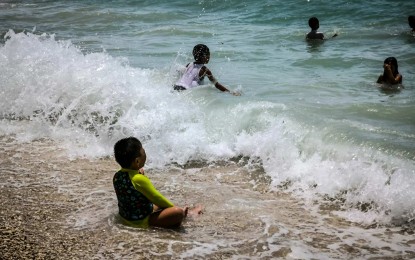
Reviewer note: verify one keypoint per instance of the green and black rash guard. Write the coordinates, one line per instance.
(136, 195)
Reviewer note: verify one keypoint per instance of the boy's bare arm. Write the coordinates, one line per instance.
(205, 71)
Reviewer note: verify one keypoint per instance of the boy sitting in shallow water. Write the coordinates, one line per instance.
(139, 203)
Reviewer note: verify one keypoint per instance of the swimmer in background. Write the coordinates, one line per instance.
(139, 203)
(196, 72)
(390, 74)
(314, 24)
(411, 22)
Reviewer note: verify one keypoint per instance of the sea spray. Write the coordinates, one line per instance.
(87, 101)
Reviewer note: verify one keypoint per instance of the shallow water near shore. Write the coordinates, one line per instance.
(313, 160)
(71, 203)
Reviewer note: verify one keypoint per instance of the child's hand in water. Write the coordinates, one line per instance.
(235, 93)
(141, 171)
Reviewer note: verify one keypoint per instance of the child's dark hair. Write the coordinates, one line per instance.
(200, 51)
(313, 23)
(394, 62)
(126, 151)
(411, 21)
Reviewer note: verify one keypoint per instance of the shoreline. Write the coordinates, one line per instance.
(52, 208)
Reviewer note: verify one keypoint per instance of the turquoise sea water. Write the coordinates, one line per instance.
(310, 116)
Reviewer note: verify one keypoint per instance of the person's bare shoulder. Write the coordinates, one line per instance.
(204, 71)
(380, 79)
(313, 35)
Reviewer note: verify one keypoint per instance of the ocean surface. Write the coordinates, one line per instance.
(311, 123)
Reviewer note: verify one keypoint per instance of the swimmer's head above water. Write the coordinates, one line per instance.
(201, 53)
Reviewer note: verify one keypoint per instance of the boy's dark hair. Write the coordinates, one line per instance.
(126, 150)
(199, 51)
(411, 21)
(313, 23)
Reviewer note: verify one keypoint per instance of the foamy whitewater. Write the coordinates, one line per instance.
(311, 121)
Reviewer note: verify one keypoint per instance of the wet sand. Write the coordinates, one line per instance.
(52, 207)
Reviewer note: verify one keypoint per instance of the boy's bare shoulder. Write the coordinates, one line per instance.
(314, 35)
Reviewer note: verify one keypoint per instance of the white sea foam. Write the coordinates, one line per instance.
(87, 101)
